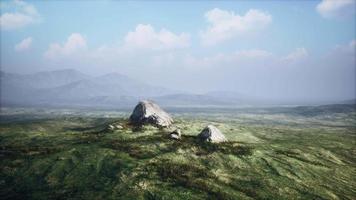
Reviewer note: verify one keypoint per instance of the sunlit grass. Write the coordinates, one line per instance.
(268, 156)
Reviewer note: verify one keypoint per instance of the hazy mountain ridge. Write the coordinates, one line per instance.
(46, 79)
(70, 87)
(73, 88)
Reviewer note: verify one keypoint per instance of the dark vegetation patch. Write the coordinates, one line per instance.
(191, 177)
(199, 177)
(7, 152)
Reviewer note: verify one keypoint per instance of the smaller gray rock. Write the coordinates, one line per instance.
(176, 134)
(212, 134)
(118, 126)
(115, 126)
(111, 127)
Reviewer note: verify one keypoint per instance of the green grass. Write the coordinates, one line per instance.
(271, 154)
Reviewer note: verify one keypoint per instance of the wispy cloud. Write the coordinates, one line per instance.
(296, 55)
(24, 44)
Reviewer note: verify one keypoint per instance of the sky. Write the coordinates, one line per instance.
(290, 50)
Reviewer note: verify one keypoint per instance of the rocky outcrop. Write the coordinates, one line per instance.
(176, 134)
(212, 134)
(147, 112)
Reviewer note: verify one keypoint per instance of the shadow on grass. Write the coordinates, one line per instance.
(98, 126)
(206, 148)
(299, 157)
(149, 146)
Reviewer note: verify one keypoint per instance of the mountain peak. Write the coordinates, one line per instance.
(69, 72)
(113, 75)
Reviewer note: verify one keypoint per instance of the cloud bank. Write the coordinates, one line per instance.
(336, 8)
(225, 25)
(75, 44)
(22, 14)
(146, 37)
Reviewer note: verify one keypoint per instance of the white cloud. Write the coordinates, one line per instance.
(241, 58)
(135, 43)
(21, 15)
(225, 25)
(336, 8)
(296, 55)
(254, 53)
(24, 44)
(75, 43)
(348, 49)
(145, 37)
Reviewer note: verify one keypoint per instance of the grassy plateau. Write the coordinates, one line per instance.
(272, 153)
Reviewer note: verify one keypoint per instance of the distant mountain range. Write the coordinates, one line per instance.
(72, 88)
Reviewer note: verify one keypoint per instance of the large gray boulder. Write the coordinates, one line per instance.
(147, 112)
(212, 134)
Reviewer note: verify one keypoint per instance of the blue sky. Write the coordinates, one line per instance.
(198, 40)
